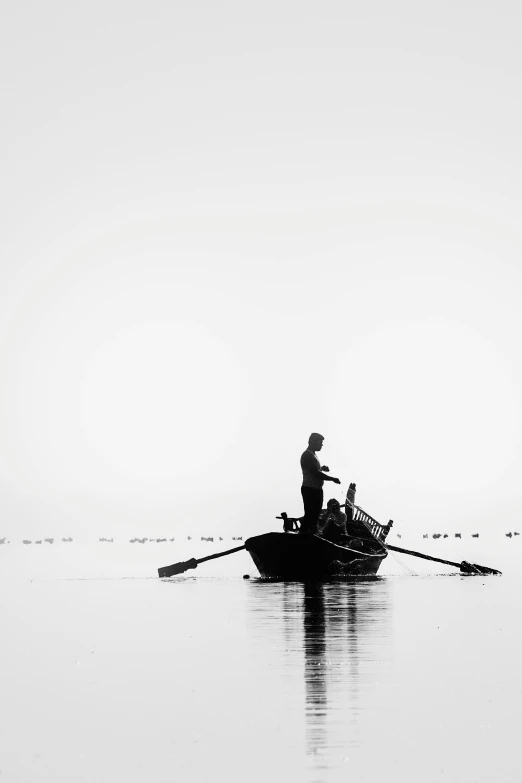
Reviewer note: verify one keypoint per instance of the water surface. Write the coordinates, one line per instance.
(117, 675)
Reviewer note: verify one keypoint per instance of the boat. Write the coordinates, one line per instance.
(292, 555)
(303, 556)
(295, 556)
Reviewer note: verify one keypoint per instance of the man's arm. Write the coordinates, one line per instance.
(330, 478)
(308, 462)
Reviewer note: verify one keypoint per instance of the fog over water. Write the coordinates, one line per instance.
(226, 228)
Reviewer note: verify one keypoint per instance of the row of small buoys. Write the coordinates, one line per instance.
(135, 540)
(38, 541)
(459, 535)
(149, 540)
(446, 535)
(145, 540)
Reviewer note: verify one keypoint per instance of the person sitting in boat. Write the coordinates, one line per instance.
(332, 523)
(314, 476)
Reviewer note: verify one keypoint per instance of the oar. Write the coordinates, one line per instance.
(465, 567)
(180, 568)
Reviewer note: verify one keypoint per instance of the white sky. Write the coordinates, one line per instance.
(227, 225)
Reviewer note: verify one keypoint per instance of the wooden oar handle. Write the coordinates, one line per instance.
(419, 554)
(465, 567)
(218, 554)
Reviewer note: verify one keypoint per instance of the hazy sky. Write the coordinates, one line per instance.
(227, 225)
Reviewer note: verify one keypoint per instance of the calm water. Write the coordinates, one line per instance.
(108, 673)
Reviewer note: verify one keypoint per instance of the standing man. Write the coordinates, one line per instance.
(314, 476)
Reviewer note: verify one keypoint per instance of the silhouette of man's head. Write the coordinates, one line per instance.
(315, 441)
(333, 505)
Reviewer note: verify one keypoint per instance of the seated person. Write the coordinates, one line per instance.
(332, 522)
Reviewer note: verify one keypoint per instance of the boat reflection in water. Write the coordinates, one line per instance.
(327, 648)
(346, 643)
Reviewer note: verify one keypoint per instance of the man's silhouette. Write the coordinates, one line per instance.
(314, 476)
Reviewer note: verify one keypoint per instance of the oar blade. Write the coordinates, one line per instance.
(177, 568)
(473, 568)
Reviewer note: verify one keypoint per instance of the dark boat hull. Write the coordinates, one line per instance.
(299, 557)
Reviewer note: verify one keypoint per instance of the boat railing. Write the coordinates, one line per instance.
(377, 530)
